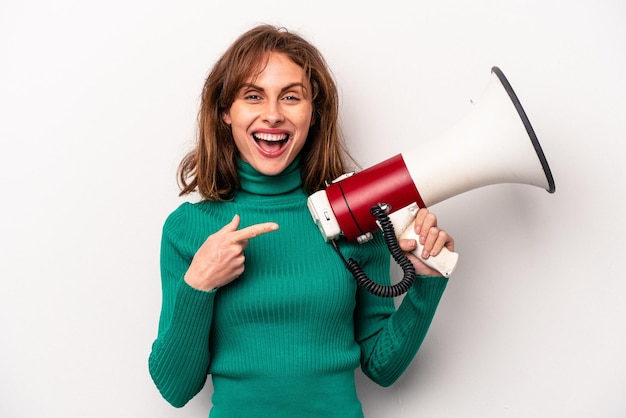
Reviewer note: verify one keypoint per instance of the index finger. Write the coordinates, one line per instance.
(418, 222)
(254, 231)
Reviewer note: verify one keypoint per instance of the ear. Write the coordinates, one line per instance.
(226, 118)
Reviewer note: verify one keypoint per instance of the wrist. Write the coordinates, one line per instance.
(198, 283)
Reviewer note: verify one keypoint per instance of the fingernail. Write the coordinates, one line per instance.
(425, 254)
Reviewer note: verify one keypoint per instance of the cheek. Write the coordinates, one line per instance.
(306, 119)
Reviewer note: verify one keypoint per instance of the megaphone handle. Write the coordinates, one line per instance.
(444, 262)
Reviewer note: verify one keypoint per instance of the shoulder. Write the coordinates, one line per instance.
(183, 215)
(198, 216)
(178, 216)
(186, 209)
(374, 251)
(176, 221)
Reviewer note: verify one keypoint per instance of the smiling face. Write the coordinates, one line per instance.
(271, 115)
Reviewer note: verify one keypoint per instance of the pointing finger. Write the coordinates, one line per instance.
(232, 225)
(254, 231)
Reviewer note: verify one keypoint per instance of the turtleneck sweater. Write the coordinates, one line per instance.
(285, 338)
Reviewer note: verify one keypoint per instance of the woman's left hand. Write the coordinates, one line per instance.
(431, 237)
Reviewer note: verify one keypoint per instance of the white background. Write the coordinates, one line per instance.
(98, 101)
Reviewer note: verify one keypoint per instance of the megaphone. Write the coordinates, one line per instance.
(494, 143)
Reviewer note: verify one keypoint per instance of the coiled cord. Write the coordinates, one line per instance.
(396, 252)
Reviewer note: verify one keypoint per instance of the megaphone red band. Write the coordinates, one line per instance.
(351, 198)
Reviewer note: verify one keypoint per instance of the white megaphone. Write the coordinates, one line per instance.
(494, 143)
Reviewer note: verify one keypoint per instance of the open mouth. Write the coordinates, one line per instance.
(270, 143)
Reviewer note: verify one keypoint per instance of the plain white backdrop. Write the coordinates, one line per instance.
(98, 101)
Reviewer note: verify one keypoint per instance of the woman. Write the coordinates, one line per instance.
(252, 295)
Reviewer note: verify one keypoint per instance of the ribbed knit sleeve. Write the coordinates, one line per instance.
(390, 338)
(179, 359)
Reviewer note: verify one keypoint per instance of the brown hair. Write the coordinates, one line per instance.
(211, 167)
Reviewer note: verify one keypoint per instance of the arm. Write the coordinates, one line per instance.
(191, 272)
(390, 338)
(180, 356)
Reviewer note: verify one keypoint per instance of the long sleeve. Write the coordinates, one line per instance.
(179, 359)
(390, 338)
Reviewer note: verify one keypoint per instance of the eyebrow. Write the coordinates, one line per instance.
(286, 88)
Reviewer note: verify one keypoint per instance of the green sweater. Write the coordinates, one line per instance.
(284, 339)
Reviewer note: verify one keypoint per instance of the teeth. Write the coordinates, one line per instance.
(270, 137)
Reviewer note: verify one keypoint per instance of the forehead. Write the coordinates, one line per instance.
(277, 68)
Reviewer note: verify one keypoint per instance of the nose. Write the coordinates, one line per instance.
(272, 113)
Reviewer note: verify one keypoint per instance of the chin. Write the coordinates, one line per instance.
(272, 167)
(269, 168)
(273, 171)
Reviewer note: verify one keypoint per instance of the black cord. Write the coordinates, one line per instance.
(396, 252)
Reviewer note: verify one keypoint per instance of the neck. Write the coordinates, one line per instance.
(257, 183)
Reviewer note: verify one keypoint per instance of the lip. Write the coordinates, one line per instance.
(273, 132)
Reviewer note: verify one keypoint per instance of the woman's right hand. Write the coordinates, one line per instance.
(220, 259)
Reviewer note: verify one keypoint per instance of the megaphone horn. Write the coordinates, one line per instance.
(494, 143)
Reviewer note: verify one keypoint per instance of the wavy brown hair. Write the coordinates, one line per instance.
(211, 166)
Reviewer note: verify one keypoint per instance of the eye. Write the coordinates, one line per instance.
(291, 98)
(250, 94)
(253, 97)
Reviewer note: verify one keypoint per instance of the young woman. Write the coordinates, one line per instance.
(252, 294)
